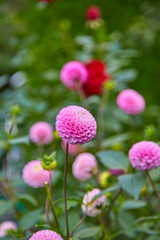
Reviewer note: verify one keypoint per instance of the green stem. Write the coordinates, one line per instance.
(112, 204)
(81, 93)
(79, 223)
(47, 199)
(106, 234)
(64, 191)
(101, 116)
(51, 203)
(153, 185)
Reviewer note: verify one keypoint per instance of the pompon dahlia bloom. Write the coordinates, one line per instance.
(5, 226)
(97, 76)
(41, 133)
(72, 149)
(73, 71)
(34, 175)
(75, 125)
(130, 102)
(46, 235)
(93, 13)
(145, 155)
(96, 206)
(84, 166)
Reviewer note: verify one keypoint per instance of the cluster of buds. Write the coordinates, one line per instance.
(49, 162)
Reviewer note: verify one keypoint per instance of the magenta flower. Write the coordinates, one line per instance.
(34, 175)
(41, 133)
(75, 125)
(46, 235)
(145, 155)
(94, 208)
(73, 71)
(130, 102)
(5, 226)
(116, 172)
(84, 166)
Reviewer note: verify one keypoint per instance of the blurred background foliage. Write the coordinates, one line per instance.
(36, 40)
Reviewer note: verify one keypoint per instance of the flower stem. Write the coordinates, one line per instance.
(79, 223)
(153, 185)
(106, 234)
(51, 203)
(64, 191)
(6, 165)
(47, 199)
(81, 93)
(101, 116)
(112, 203)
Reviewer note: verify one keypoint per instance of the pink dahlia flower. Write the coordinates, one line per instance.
(41, 133)
(73, 71)
(75, 125)
(34, 175)
(5, 226)
(46, 235)
(94, 208)
(145, 155)
(130, 102)
(84, 166)
(72, 149)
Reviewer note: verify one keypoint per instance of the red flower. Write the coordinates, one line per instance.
(93, 13)
(97, 76)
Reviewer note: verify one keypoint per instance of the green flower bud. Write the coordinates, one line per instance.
(49, 162)
(15, 110)
(110, 85)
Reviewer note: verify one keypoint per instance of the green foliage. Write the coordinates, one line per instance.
(132, 183)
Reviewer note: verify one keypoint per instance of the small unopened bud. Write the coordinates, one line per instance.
(110, 85)
(103, 178)
(144, 190)
(15, 110)
(49, 162)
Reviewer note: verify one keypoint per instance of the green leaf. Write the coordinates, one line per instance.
(19, 140)
(28, 198)
(131, 204)
(113, 159)
(148, 219)
(133, 183)
(73, 218)
(115, 139)
(111, 189)
(29, 219)
(87, 232)
(5, 206)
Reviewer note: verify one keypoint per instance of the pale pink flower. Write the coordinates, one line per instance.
(46, 235)
(84, 166)
(34, 175)
(130, 102)
(41, 133)
(73, 71)
(72, 149)
(5, 226)
(94, 208)
(145, 155)
(75, 125)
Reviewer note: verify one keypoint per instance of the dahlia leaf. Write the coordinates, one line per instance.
(113, 159)
(132, 183)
